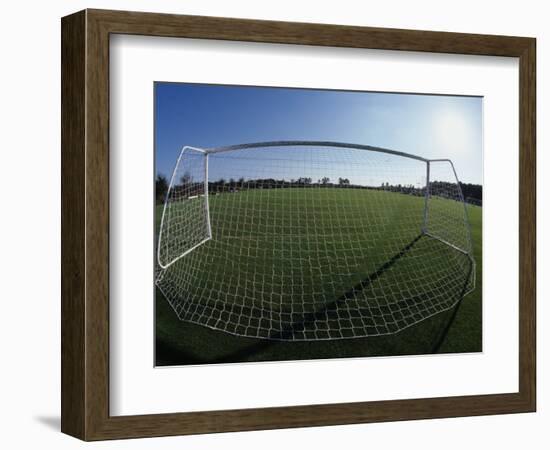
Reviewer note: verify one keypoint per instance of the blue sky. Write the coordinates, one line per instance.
(217, 115)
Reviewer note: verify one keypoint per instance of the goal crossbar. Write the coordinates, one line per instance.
(270, 144)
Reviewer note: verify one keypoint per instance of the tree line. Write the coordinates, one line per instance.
(471, 192)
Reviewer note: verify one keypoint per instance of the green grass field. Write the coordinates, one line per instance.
(181, 342)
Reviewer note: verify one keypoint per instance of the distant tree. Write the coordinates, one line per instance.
(343, 181)
(186, 178)
(474, 191)
(325, 180)
(161, 188)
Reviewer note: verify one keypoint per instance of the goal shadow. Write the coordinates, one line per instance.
(331, 308)
(309, 320)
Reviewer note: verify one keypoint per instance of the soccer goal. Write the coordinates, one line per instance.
(312, 240)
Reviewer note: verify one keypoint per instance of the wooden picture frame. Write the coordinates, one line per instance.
(85, 224)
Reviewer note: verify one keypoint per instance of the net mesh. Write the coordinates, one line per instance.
(312, 242)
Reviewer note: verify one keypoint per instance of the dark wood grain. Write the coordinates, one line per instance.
(85, 224)
(151, 24)
(73, 224)
(527, 224)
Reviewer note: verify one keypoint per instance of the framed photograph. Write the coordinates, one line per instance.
(271, 224)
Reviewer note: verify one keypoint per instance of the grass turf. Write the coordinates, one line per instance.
(458, 330)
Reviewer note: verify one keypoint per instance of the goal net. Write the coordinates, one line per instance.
(308, 241)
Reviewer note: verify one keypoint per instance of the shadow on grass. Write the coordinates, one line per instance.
(332, 307)
(445, 332)
(231, 349)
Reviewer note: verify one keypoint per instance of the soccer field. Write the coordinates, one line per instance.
(269, 245)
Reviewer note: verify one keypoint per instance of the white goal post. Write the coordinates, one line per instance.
(308, 240)
(177, 245)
